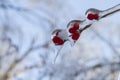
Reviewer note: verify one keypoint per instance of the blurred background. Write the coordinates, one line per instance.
(26, 50)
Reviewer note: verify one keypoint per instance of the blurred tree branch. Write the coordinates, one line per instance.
(114, 66)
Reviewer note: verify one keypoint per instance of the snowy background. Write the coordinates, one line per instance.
(26, 50)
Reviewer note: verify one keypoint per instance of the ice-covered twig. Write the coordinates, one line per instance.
(110, 11)
(103, 14)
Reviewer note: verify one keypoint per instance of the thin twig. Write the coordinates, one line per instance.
(107, 42)
(110, 11)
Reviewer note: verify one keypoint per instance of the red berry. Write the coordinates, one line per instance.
(90, 16)
(96, 16)
(57, 33)
(76, 26)
(93, 16)
(75, 36)
(58, 41)
(72, 30)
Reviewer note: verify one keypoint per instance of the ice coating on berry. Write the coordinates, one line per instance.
(72, 30)
(96, 16)
(76, 25)
(93, 16)
(57, 40)
(75, 36)
(93, 11)
(59, 36)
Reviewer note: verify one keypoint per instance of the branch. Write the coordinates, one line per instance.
(22, 11)
(103, 14)
(114, 66)
(32, 48)
(110, 11)
(9, 6)
(27, 69)
(17, 61)
(108, 43)
(27, 52)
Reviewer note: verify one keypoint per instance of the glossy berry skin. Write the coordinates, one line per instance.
(93, 16)
(74, 31)
(57, 41)
(75, 36)
(74, 28)
(59, 37)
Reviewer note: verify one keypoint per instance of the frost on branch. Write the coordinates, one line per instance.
(93, 15)
(73, 27)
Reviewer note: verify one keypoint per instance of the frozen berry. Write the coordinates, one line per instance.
(57, 40)
(75, 36)
(76, 26)
(93, 16)
(72, 30)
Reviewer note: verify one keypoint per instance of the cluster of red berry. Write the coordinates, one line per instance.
(93, 16)
(73, 28)
(74, 31)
